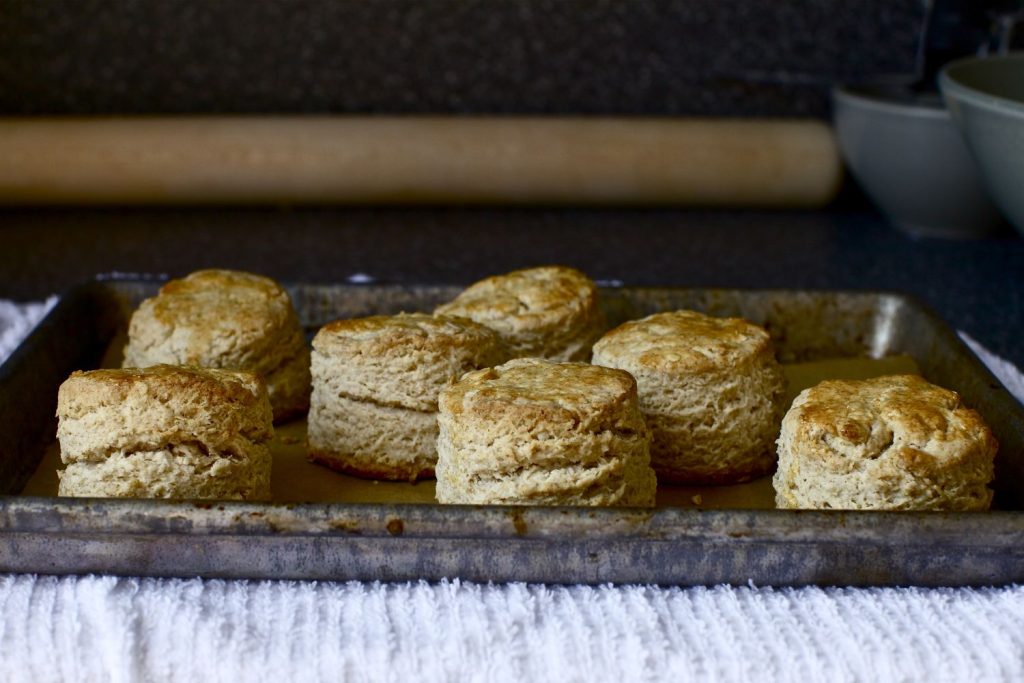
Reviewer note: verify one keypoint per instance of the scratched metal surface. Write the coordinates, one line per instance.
(553, 545)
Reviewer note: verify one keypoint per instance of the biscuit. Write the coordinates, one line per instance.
(166, 432)
(710, 389)
(890, 443)
(537, 432)
(372, 440)
(229, 320)
(375, 385)
(548, 312)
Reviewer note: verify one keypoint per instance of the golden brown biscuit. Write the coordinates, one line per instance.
(711, 391)
(230, 320)
(375, 387)
(890, 443)
(536, 432)
(165, 431)
(547, 312)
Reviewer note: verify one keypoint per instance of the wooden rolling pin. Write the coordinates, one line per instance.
(376, 159)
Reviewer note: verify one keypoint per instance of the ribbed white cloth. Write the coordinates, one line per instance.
(100, 628)
(110, 629)
(17, 320)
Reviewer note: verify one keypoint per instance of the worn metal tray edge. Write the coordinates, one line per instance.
(212, 518)
(544, 545)
(693, 561)
(829, 542)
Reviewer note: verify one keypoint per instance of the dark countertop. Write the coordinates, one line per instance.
(977, 286)
(696, 57)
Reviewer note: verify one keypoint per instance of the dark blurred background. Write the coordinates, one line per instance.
(693, 57)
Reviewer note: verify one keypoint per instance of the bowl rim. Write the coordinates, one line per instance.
(855, 95)
(953, 88)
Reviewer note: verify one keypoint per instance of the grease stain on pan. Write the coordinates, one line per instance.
(518, 522)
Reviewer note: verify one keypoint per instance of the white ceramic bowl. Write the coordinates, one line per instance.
(986, 98)
(907, 154)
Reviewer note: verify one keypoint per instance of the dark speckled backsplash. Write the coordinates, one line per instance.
(696, 57)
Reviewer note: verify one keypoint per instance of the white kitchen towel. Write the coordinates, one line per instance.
(17, 320)
(99, 628)
(117, 629)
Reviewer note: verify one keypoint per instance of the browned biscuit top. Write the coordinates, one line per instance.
(217, 318)
(85, 391)
(383, 334)
(923, 427)
(207, 298)
(530, 392)
(682, 342)
(526, 299)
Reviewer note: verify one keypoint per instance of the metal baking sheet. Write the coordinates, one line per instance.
(392, 532)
